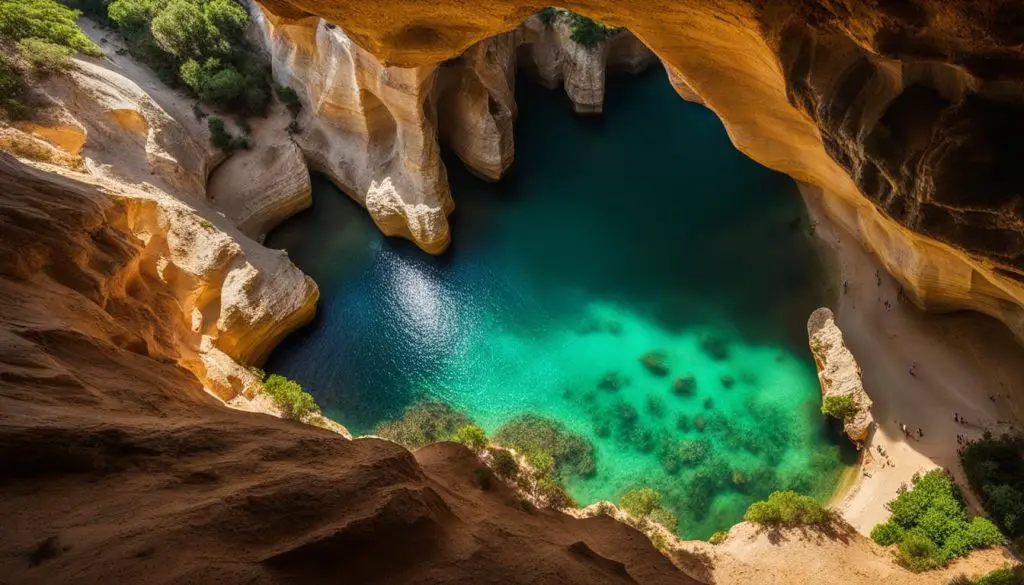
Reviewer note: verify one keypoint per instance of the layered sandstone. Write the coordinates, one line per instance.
(260, 187)
(904, 114)
(225, 299)
(838, 372)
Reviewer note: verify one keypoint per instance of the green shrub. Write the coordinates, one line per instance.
(12, 90)
(471, 436)
(666, 518)
(424, 422)
(918, 553)
(933, 510)
(982, 533)
(587, 32)
(289, 396)
(290, 98)
(1009, 576)
(45, 57)
(554, 494)
(640, 502)
(505, 465)
(530, 433)
(219, 135)
(788, 509)
(200, 44)
(45, 20)
(840, 406)
(995, 470)
(887, 533)
(718, 537)
(548, 15)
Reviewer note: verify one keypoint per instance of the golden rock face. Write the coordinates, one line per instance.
(903, 114)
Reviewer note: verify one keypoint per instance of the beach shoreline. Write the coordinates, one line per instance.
(919, 369)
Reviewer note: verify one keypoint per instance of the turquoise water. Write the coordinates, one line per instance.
(640, 231)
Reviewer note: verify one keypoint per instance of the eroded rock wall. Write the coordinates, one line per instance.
(225, 300)
(374, 129)
(904, 114)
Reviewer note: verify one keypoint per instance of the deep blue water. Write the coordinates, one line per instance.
(640, 230)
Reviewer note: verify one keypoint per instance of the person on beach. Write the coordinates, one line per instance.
(956, 417)
(920, 433)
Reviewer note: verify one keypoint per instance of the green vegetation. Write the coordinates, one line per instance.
(471, 436)
(532, 435)
(548, 15)
(45, 57)
(718, 537)
(1009, 576)
(995, 470)
(12, 89)
(221, 138)
(929, 523)
(425, 422)
(199, 44)
(39, 37)
(45, 20)
(645, 503)
(839, 406)
(788, 509)
(290, 98)
(505, 465)
(588, 32)
(289, 396)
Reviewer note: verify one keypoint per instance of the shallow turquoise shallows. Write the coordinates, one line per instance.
(640, 231)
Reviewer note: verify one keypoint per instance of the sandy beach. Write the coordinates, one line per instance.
(963, 363)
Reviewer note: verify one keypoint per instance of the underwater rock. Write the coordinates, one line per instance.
(655, 406)
(739, 479)
(714, 347)
(727, 381)
(709, 403)
(683, 423)
(654, 361)
(685, 385)
(694, 451)
(698, 423)
(611, 382)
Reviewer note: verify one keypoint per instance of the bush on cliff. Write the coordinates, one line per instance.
(471, 436)
(930, 526)
(288, 395)
(198, 44)
(588, 32)
(39, 37)
(1007, 576)
(425, 422)
(995, 470)
(645, 504)
(840, 406)
(788, 509)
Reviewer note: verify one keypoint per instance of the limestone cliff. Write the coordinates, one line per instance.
(552, 55)
(225, 301)
(260, 187)
(904, 114)
(374, 129)
(838, 372)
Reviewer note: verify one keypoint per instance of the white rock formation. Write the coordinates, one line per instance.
(838, 371)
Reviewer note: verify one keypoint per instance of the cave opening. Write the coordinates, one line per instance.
(625, 253)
